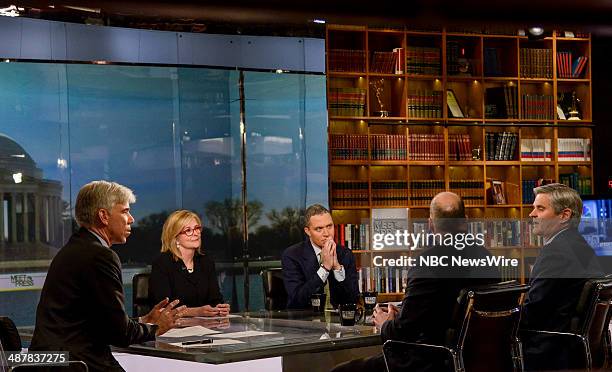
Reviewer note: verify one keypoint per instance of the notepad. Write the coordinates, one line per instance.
(216, 342)
(189, 331)
(218, 317)
(243, 334)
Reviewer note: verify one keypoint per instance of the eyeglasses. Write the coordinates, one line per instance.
(190, 231)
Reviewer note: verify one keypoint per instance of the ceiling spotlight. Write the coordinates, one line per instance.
(320, 21)
(536, 32)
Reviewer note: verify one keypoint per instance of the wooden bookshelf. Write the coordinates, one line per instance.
(391, 128)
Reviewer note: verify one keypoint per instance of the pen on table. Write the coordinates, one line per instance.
(197, 342)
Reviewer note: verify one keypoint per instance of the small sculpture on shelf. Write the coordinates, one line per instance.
(379, 87)
(574, 114)
(476, 151)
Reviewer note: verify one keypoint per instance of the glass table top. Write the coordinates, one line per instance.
(293, 332)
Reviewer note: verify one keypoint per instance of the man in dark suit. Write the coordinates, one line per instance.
(308, 266)
(565, 263)
(431, 293)
(81, 308)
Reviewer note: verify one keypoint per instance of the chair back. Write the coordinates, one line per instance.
(592, 319)
(141, 302)
(9, 340)
(275, 295)
(487, 321)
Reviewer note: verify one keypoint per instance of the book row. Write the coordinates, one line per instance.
(568, 68)
(394, 280)
(346, 60)
(384, 62)
(388, 146)
(347, 101)
(574, 149)
(423, 61)
(348, 146)
(471, 191)
(501, 146)
(536, 149)
(424, 103)
(536, 63)
(500, 102)
(389, 193)
(352, 236)
(459, 147)
(580, 183)
(431, 147)
(538, 106)
(529, 185)
(383, 279)
(497, 234)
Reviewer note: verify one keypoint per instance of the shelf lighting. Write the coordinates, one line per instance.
(535, 32)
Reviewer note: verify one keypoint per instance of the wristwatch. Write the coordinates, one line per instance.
(324, 268)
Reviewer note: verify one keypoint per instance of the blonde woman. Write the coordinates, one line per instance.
(183, 272)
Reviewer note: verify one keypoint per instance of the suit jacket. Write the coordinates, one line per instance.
(81, 308)
(300, 266)
(431, 296)
(557, 279)
(170, 278)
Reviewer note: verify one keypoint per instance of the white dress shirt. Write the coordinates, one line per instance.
(323, 274)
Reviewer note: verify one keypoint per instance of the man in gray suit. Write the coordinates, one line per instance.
(81, 308)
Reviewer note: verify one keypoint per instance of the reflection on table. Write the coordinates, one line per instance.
(293, 332)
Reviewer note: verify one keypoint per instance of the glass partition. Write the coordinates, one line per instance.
(173, 136)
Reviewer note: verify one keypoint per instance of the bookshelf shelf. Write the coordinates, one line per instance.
(347, 74)
(349, 162)
(379, 74)
(500, 78)
(467, 163)
(345, 207)
(464, 78)
(578, 39)
(575, 80)
(426, 162)
(336, 117)
(537, 163)
(536, 80)
(389, 162)
(423, 77)
(507, 89)
(495, 163)
(464, 120)
(579, 163)
(504, 206)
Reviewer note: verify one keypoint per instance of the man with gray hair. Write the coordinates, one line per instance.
(81, 308)
(565, 263)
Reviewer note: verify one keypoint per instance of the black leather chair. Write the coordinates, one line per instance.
(587, 344)
(10, 341)
(484, 335)
(141, 302)
(275, 295)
